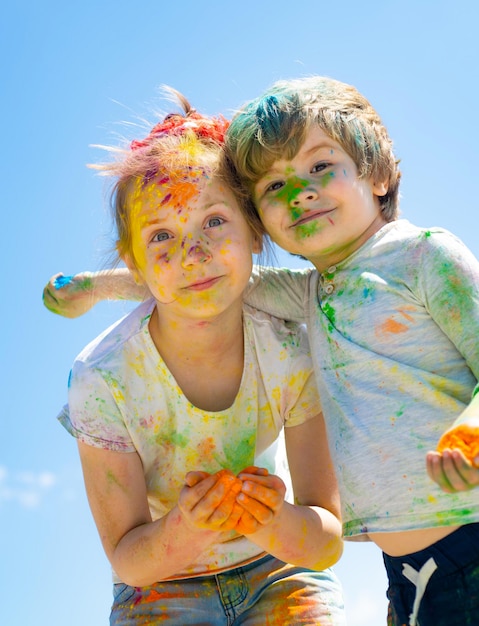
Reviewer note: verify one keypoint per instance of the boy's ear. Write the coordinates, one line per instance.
(128, 261)
(380, 188)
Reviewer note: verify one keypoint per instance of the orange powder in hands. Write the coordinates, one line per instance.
(228, 504)
(247, 523)
(463, 437)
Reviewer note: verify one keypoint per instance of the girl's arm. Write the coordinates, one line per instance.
(142, 551)
(72, 296)
(307, 533)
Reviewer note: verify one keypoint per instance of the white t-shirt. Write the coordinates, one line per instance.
(394, 334)
(123, 397)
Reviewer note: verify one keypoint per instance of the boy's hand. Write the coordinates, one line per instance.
(208, 501)
(452, 471)
(69, 296)
(262, 497)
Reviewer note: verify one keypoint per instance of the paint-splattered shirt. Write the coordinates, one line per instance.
(394, 334)
(123, 397)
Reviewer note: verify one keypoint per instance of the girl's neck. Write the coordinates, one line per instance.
(206, 358)
(197, 338)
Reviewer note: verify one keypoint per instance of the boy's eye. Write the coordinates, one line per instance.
(319, 167)
(160, 237)
(276, 186)
(214, 221)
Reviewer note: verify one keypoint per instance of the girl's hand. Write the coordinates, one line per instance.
(261, 497)
(452, 471)
(208, 501)
(69, 296)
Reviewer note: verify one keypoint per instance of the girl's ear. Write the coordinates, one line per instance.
(128, 261)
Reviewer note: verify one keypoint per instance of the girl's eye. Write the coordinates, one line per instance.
(214, 221)
(276, 186)
(160, 237)
(319, 167)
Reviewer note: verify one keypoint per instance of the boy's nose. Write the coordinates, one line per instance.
(304, 197)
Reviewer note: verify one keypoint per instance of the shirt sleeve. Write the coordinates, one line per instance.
(307, 402)
(94, 416)
(307, 405)
(449, 281)
(279, 292)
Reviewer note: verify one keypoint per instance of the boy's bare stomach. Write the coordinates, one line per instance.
(407, 542)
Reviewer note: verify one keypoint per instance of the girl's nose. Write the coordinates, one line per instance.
(196, 253)
(304, 197)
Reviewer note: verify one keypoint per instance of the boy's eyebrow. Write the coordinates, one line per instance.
(274, 169)
(319, 146)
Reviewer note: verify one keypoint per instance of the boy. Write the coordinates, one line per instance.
(393, 317)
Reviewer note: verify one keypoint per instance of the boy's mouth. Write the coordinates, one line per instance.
(311, 215)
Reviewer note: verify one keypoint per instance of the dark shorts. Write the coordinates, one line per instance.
(451, 594)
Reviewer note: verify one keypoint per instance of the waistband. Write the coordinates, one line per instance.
(452, 553)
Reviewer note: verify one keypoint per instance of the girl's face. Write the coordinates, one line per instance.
(190, 242)
(315, 205)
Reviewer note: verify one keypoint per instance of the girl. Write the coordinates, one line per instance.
(178, 409)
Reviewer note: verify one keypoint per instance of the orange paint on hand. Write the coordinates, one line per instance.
(463, 437)
(247, 524)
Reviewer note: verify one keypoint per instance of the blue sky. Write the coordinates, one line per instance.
(71, 71)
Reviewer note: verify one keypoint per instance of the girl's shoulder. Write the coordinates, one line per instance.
(117, 336)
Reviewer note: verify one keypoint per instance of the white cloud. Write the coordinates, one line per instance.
(26, 488)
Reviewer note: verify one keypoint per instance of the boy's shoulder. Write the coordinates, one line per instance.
(408, 235)
(113, 339)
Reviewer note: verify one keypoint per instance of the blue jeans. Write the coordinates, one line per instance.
(451, 596)
(267, 592)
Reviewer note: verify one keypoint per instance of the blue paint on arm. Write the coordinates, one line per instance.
(61, 281)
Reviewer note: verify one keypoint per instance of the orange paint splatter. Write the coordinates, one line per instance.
(391, 326)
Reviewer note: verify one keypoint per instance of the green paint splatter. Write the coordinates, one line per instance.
(330, 313)
(308, 229)
(291, 189)
(326, 179)
(113, 481)
(177, 439)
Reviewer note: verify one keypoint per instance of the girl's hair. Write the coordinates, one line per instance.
(180, 142)
(275, 125)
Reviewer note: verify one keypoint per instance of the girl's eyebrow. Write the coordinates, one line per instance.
(153, 222)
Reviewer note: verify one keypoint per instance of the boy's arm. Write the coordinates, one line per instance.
(450, 287)
(72, 296)
(281, 292)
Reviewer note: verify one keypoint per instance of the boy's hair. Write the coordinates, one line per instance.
(274, 126)
(176, 145)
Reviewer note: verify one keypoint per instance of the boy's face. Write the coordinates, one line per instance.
(315, 205)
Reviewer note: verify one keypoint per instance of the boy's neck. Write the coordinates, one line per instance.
(323, 262)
